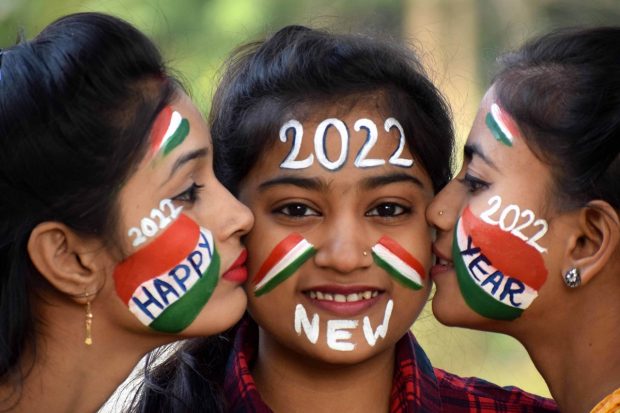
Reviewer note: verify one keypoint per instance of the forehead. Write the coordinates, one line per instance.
(336, 135)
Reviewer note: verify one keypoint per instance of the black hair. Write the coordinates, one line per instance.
(76, 106)
(563, 90)
(263, 83)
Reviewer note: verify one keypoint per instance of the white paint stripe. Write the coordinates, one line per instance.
(290, 256)
(496, 113)
(175, 121)
(398, 264)
(525, 298)
(192, 279)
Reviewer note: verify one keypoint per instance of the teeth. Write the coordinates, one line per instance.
(441, 261)
(341, 298)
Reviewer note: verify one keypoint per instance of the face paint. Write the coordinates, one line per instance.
(498, 273)
(168, 282)
(364, 125)
(501, 125)
(282, 262)
(338, 334)
(169, 131)
(398, 263)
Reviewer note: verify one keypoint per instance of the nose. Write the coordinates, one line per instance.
(443, 211)
(344, 246)
(235, 218)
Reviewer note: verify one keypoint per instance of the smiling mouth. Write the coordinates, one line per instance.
(343, 298)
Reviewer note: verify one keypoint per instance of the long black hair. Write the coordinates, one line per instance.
(263, 82)
(563, 89)
(76, 106)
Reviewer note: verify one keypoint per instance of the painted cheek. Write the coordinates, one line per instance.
(499, 274)
(399, 263)
(167, 283)
(285, 258)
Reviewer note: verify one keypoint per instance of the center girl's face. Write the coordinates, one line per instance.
(183, 260)
(340, 248)
(495, 228)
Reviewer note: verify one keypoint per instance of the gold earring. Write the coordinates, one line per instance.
(89, 322)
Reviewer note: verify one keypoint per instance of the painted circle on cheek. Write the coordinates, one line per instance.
(168, 282)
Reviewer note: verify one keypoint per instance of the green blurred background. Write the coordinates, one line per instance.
(457, 39)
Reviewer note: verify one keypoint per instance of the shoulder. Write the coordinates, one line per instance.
(471, 394)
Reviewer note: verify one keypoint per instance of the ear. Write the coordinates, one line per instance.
(595, 241)
(71, 263)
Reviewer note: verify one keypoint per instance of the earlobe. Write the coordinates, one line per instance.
(595, 242)
(66, 260)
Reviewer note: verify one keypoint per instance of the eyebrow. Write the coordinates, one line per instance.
(472, 149)
(313, 184)
(189, 156)
(378, 181)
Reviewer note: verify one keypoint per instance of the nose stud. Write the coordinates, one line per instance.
(441, 212)
(365, 253)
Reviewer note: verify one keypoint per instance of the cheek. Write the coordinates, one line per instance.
(167, 283)
(406, 268)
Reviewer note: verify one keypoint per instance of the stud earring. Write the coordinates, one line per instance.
(89, 322)
(572, 277)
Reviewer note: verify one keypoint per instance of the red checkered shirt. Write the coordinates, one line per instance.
(416, 387)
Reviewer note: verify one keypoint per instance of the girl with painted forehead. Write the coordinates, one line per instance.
(337, 143)
(115, 235)
(528, 237)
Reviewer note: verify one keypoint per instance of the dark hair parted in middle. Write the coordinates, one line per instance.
(563, 89)
(298, 68)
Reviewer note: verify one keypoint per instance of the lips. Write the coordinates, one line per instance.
(237, 272)
(343, 300)
(442, 264)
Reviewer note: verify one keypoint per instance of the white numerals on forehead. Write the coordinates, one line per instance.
(364, 126)
(514, 225)
(158, 220)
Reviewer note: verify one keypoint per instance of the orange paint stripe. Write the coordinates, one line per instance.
(166, 251)
(509, 254)
(403, 254)
(160, 126)
(508, 122)
(278, 252)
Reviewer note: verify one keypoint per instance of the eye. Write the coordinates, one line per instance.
(473, 184)
(388, 209)
(296, 209)
(190, 195)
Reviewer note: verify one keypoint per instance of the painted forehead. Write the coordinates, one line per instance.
(503, 128)
(169, 130)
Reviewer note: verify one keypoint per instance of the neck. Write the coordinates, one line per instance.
(66, 375)
(288, 381)
(579, 357)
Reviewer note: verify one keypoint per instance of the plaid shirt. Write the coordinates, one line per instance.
(417, 386)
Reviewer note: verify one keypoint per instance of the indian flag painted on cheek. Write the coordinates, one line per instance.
(501, 125)
(169, 131)
(168, 282)
(398, 263)
(498, 273)
(286, 257)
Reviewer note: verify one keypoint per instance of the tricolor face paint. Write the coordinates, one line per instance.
(286, 257)
(166, 283)
(499, 274)
(399, 263)
(169, 131)
(501, 125)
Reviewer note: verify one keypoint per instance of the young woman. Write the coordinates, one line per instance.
(338, 144)
(115, 235)
(528, 239)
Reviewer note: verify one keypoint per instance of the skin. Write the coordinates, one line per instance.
(293, 374)
(571, 334)
(83, 380)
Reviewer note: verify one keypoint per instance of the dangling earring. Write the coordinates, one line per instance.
(572, 277)
(89, 322)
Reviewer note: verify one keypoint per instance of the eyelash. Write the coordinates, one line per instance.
(281, 210)
(473, 184)
(403, 210)
(190, 195)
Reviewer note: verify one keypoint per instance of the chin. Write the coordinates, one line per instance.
(221, 313)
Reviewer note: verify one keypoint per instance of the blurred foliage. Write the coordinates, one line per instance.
(196, 35)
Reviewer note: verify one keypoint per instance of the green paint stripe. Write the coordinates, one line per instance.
(496, 130)
(182, 312)
(177, 137)
(285, 273)
(407, 282)
(477, 299)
